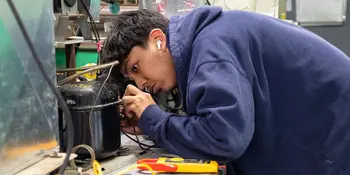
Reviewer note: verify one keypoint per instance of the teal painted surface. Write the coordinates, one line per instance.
(114, 8)
(95, 6)
(28, 108)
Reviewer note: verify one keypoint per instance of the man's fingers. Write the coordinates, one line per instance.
(132, 130)
(132, 90)
(130, 110)
(137, 131)
(123, 123)
(128, 130)
(127, 100)
(129, 105)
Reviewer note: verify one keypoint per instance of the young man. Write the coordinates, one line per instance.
(267, 96)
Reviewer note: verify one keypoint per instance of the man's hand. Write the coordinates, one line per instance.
(135, 101)
(133, 130)
(129, 125)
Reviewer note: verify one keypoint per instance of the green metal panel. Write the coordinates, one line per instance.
(83, 57)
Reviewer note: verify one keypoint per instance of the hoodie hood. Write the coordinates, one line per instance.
(181, 33)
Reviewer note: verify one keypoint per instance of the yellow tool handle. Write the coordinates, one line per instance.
(97, 168)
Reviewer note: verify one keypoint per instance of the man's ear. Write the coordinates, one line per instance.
(157, 37)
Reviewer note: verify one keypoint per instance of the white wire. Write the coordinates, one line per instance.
(93, 106)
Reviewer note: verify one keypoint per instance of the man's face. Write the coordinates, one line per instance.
(152, 68)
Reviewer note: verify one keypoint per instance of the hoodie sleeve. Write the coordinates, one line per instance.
(223, 125)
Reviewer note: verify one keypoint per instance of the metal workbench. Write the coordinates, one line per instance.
(128, 157)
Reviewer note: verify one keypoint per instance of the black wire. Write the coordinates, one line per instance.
(60, 99)
(92, 22)
(138, 142)
(208, 2)
(91, 19)
(93, 31)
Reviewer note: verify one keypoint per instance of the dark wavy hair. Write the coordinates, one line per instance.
(129, 29)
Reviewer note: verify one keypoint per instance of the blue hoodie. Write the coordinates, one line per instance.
(267, 96)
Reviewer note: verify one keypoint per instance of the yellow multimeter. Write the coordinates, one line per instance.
(180, 165)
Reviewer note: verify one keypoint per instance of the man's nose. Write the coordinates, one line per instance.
(140, 82)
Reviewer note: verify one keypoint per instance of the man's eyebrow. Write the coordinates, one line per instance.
(125, 66)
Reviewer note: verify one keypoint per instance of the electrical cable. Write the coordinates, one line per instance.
(91, 18)
(140, 144)
(102, 66)
(84, 108)
(95, 101)
(79, 33)
(58, 95)
(103, 6)
(208, 2)
(138, 141)
(94, 29)
(94, 32)
(92, 22)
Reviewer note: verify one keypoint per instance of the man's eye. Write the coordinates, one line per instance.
(134, 68)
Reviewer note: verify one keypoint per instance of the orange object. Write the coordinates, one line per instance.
(14, 152)
(180, 165)
(156, 166)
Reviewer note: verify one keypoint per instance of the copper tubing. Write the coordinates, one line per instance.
(74, 69)
(99, 67)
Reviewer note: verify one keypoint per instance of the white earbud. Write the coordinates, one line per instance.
(158, 44)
